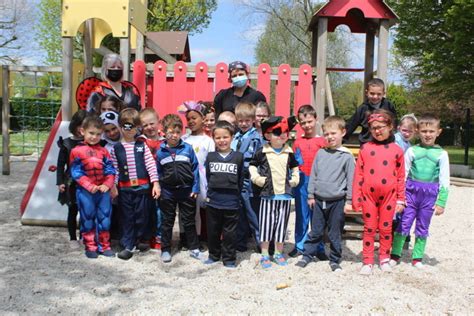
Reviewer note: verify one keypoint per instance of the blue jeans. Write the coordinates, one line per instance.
(303, 214)
(248, 221)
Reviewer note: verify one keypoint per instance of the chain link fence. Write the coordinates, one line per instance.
(31, 99)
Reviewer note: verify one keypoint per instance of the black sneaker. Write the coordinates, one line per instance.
(303, 262)
(143, 246)
(322, 256)
(125, 254)
(108, 253)
(92, 254)
(294, 253)
(335, 267)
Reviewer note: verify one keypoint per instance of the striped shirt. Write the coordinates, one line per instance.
(150, 164)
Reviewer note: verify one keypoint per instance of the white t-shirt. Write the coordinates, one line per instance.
(202, 145)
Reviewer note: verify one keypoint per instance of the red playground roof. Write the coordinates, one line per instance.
(356, 14)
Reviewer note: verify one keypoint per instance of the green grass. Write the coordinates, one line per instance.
(456, 155)
(27, 143)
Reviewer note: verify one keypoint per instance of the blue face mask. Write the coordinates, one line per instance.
(239, 81)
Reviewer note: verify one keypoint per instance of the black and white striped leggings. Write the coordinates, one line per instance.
(273, 219)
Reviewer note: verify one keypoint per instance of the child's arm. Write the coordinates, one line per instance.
(354, 122)
(150, 166)
(350, 168)
(443, 184)
(295, 171)
(115, 164)
(79, 175)
(109, 172)
(297, 151)
(401, 176)
(312, 183)
(358, 180)
(255, 177)
(195, 168)
(61, 165)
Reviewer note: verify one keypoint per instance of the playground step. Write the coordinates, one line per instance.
(462, 182)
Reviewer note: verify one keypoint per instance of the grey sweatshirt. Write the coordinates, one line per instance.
(331, 175)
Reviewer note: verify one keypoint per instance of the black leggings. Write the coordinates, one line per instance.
(72, 221)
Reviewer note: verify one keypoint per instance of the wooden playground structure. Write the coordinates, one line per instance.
(167, 83)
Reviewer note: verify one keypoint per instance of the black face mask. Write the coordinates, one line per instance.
(114, 75)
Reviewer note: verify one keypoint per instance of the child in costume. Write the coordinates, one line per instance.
(111, 135)
(202, 145)
(262, 112)
(379, 188)
(137, 183)
(224, 171)
(93, 171)
(305, 148)
(178, 169)
(275, 170)
(247, 141)
(66, 186)
(210, 118)
(329, 193)
(427, 170)
(108, 103)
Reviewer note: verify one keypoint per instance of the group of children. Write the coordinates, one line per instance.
(235, 177)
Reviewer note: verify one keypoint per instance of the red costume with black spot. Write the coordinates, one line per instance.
(379, 184)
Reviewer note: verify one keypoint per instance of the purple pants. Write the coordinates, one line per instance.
(421, 198)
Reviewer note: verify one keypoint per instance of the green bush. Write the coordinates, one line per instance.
(33, 113)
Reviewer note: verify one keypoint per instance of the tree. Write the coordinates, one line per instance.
(436, 41)
(49, 30)
(15, 23)
(180, 15)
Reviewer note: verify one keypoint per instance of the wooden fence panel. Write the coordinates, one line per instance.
(264, 81)
(283, 91)
(139, 79)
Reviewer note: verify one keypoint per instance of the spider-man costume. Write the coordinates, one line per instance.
(91, 166)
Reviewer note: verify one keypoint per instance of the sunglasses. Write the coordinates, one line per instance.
(128, 126)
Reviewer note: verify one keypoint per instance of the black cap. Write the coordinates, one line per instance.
(237, 65)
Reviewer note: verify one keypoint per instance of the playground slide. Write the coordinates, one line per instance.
(39, 205)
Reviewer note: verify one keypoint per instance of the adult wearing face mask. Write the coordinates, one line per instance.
(227, 99)
(112, 84)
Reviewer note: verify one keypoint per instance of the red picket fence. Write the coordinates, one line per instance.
(165, 91)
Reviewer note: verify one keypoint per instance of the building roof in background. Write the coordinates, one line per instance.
(175, 43)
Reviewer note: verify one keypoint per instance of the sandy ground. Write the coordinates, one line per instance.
(40, 274)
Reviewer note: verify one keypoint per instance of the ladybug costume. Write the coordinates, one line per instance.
(91, 166)
(379, 185)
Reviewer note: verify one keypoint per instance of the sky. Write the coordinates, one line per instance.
(232, 34)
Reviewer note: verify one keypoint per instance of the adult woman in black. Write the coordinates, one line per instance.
(227, 99)
(113, 85)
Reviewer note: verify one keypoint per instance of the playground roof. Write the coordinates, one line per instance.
(174, 43)
(358, 15)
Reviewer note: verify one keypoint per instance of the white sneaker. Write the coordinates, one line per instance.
(165, 257)
(196, 254)
(385, 267)
(366, 269)
(419, 265)
(393, 263)
(74, 244)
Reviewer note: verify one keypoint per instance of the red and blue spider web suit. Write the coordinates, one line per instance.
(91, 166)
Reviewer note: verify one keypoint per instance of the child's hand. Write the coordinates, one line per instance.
(311, 203)
(347, 208)
(62, 188)
(113, 192)
(156, 191)
(438, 210)
(103, 188)
(194, 195)
(399, 208)
(94, 189)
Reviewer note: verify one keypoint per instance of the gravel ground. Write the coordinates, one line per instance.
(40, 274)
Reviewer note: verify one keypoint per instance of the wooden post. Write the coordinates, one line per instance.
(382, 56)
(369, 59)
(125, 54)
(6, 120)
(314, 48)
(88, 34)
(66, 96)
(331, 109)
(140, 50)
(320, 97)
